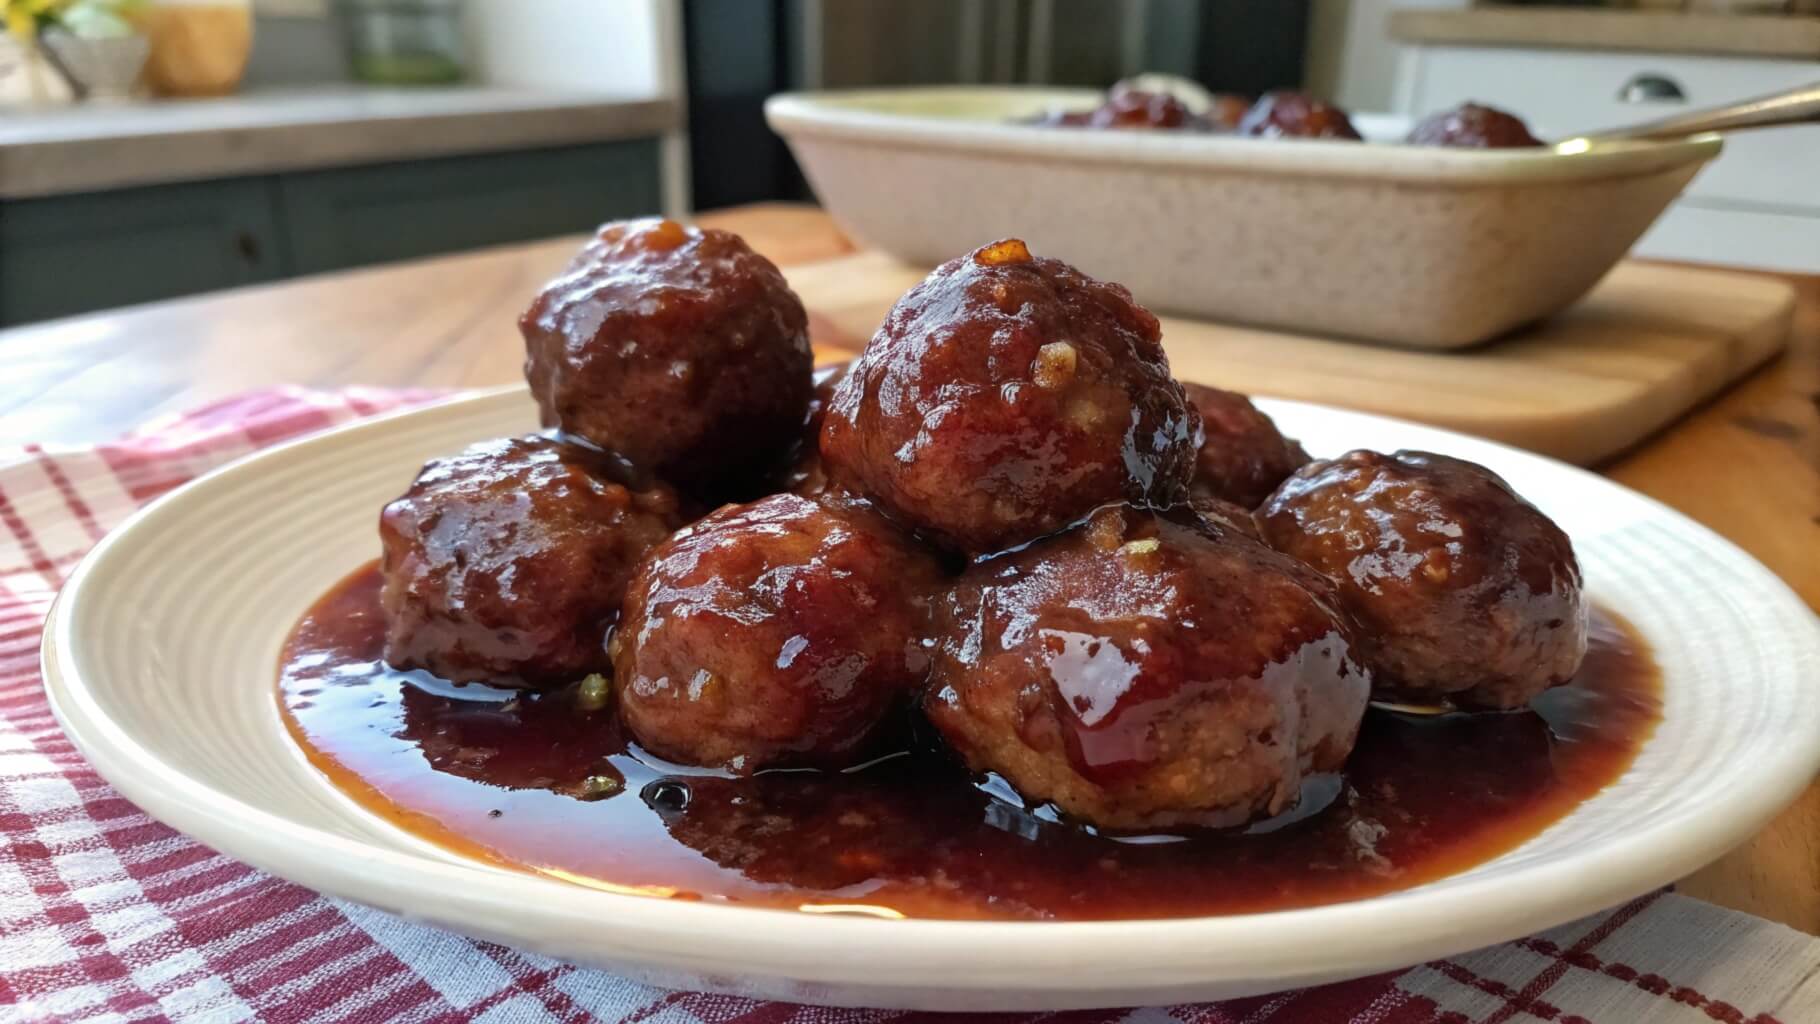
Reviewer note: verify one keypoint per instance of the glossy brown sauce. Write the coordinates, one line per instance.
(535, 783)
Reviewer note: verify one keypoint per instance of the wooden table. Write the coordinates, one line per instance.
(1747, 465)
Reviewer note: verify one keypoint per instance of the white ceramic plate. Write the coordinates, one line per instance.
(161, 652)
(1291, 233)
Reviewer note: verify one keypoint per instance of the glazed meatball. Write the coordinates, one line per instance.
(1130, 107)
(1243, 456)
(1227, 111)
(782, 632)
(804, 473)
(1462, 590)
(1141, 674)
(1006, 396)
(1295, 115)
(1472, 126)
(677, 347)
(1224, 515)
(507, 563)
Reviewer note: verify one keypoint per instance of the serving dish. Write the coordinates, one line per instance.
(160, 652)
(1289, 233)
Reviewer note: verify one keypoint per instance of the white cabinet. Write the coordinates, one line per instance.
(1758, 204)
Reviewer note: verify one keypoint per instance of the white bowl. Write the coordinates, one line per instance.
(1417, 246)
(161, 652)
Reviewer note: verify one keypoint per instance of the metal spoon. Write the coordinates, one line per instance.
(1800, 105)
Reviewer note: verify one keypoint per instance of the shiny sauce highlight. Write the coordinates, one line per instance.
(537, 783)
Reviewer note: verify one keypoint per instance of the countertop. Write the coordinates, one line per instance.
(89, 147)
(1746, 464)
(1746, 35)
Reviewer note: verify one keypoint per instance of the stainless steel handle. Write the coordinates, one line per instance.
(1649, 87)
(1792, 106)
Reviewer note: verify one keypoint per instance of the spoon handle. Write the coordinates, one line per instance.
(1800, 105)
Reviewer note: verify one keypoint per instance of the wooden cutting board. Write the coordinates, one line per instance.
(1648, 344)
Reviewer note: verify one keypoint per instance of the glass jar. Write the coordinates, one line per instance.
(406, 42)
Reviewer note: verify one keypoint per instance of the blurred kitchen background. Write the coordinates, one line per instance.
(158, 148)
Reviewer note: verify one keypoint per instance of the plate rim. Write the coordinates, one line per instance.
(965, 958)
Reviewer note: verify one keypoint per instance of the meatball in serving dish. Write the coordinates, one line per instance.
(1125, 186)
(995, 603)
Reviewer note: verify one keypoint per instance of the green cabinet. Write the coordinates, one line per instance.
(79, 253)
(358, 215)
(72, 254)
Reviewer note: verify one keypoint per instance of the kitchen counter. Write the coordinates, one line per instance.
(1753, 35)
(93, 147)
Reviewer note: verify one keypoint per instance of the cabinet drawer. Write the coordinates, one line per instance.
(1562, 92)
(78, 253)
(358, 215)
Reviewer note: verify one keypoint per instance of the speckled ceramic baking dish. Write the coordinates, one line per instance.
(1423, 247)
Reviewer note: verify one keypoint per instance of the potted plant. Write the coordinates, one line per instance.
(25, 75)
(94, 44)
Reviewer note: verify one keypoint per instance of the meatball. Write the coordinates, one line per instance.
(1286, 114)
(1134, 103)
(1224, 515)
(1462, 590)
(1130, 107)
(1006, 396)
(1139, 673)
(782, 632)
(679, 348)
(1227, 110)
(804, 473)
(1243, 456)
(507, 563)
(1472, 126)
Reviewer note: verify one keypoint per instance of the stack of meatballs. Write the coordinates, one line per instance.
(1286, 114)
(1127, 597)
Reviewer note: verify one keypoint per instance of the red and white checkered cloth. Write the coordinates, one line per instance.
(108, 915)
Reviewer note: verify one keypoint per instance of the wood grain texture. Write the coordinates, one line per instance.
(1747, 464)
(1649, 343)
(1745, 35)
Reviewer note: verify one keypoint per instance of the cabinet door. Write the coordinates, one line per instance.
(357, 215)
(75, 254)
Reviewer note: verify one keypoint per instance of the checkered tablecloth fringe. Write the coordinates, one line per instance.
(107, 915)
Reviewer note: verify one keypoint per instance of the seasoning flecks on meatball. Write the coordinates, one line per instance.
(1472, 126)
(1243, 456)
(782, 632)
(1462, 590)
(508, 562)
(1006, 396)
(679, 348)
(1286, 114)
(1139, 673)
